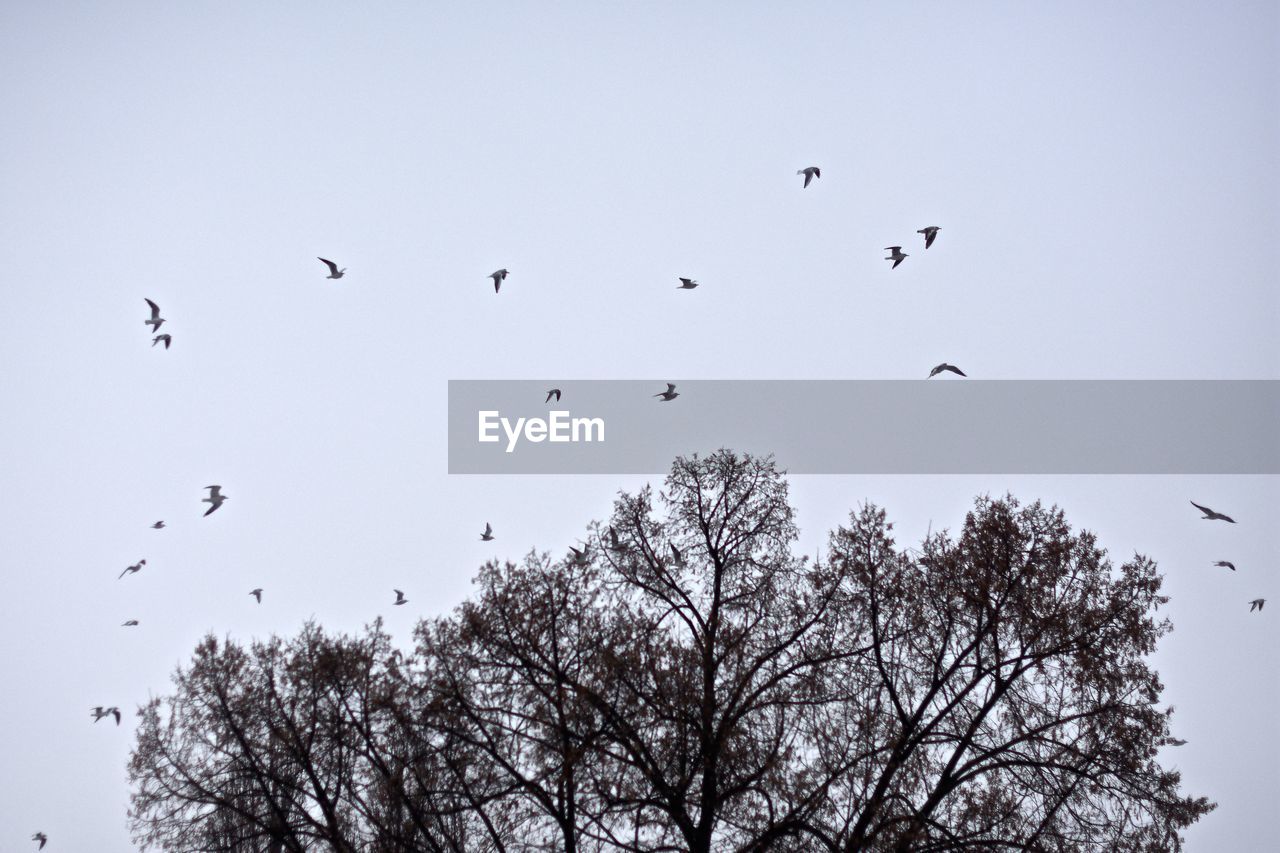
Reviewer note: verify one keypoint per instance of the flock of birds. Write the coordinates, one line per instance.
(1214, 515)
(578, 556)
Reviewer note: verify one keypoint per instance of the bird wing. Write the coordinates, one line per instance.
(671, 386)
(155, 309)
(212, 507)
(1203, 509)
(488, 528)
(928, 238)
(896, 261)
(808, 176)
(955, 369)
(333, 268)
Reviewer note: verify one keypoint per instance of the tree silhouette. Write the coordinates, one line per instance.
(693, 684)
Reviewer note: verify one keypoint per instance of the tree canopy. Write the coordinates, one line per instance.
(694, 684)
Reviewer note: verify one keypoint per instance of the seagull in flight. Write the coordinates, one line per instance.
(334, 272)
(945, 366)
(159, 525)
(498, 276)
(42, 838)
(215, 499)
(166, 339)
(677, 556)
(809, 174)
(554, 392)
(687, 284)
(155, 320)
(1226, 564)
(400, 599)
(896, 255)
(580, 556)
(670, 394)
(136, 567)
(487, 536)
(1256, 604)
(130, 624)
(930, 234)
(99, 712)
(1211, 515)
(257, 593)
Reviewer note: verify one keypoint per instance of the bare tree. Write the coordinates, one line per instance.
(685, 681)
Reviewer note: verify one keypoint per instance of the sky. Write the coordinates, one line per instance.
(1105, 177)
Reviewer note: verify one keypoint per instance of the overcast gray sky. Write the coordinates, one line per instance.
(1105, 176)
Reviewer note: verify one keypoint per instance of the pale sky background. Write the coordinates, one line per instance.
(1105, 176)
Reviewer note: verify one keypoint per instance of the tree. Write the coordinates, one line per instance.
(685, 681)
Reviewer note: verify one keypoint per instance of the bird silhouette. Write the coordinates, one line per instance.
(1211, 515)
(487, 536)
(216, 498)
(896, 255)
(498, 276)
(670, 394)
(930, 233)
(687, 284)
(809, 173)
(129, 624)
(334, 272)
(159, 525)
(1226, 564)
(166, 339)
(554, 392)
(136, 567)
(400, 599)
(42, 838)
(1256, 604)
(257, 593)
(156, 320)
(945, 366)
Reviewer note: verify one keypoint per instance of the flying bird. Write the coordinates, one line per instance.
(1256, 604)
(945, 366)
(498, 278)
(166, 339)
(334, 272)
(98, 712)
(400, 599)
(155, 320)
(159, 525)
(809, 174)
(930, 233)
(677, 556)
(487, 536)
(42, 838)
(687, 284)
(136, 567)
(554, 392)
(257, 593)
(670, 394)
(896, 255)
(580, 556)
(1226, 564)
(131, 623)
(1211, 515)
(215, 499)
